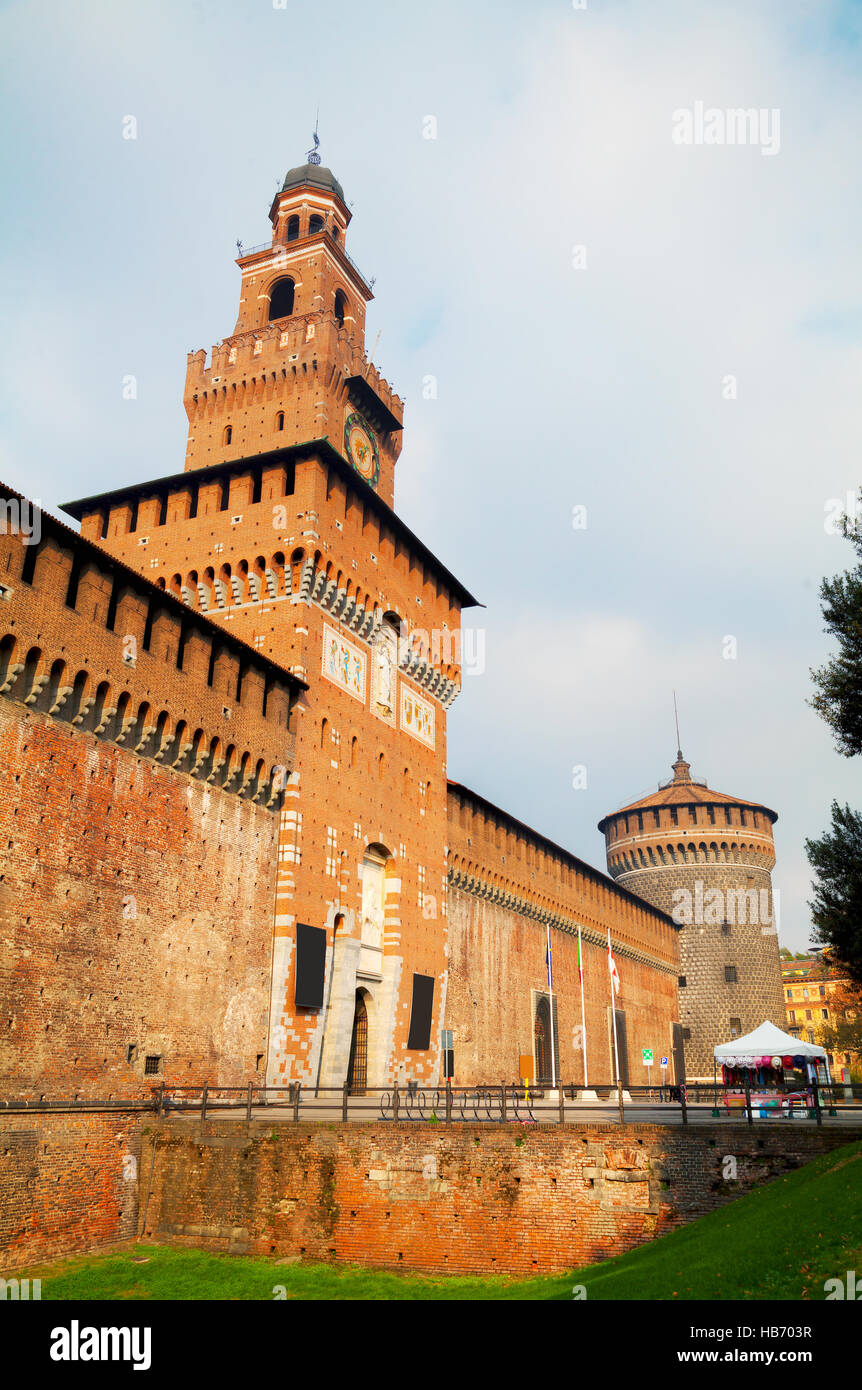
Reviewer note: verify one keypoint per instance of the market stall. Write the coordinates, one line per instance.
(779, 1070)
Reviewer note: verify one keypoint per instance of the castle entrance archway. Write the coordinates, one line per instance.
(357, 1067)
(542, 1036)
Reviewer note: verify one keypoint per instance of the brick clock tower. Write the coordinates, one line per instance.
(706, 858)
(280, 528)
(298, 342)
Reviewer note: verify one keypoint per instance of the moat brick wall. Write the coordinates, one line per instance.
(68, 1183)
(464, 1199)
(506, 884)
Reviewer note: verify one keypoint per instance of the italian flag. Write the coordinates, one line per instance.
(612, 966)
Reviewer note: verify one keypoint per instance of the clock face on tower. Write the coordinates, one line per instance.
(360, 447)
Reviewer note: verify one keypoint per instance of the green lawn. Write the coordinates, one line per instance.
(782, 1241)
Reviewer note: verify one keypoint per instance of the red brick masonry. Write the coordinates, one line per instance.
(461, 1199)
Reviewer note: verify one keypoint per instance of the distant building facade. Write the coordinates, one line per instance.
(817, 995)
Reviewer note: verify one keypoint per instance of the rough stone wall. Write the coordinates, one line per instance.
(459, 1199)
(708, 1001)
(68, 1183)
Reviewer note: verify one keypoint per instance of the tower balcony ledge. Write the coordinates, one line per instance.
(274, 248)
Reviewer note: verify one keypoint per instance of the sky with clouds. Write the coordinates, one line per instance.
(580, 286)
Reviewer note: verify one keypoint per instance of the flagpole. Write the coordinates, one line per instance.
(614, 1017)
(551, 1002)
(583, 1011)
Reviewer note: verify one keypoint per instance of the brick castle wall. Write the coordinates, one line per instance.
(137, 853)
(494, 1025)
(507, 884)
(136, 913)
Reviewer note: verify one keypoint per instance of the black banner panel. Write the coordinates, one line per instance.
(419, 1039)
(310, 966)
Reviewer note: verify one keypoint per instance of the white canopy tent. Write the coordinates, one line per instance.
(767, 1041)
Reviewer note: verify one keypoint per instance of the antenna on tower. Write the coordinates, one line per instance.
(313, 157)
(676, 721)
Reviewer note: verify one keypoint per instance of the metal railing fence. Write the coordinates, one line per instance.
(505, 1102)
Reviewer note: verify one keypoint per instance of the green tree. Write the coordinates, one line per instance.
(842, 1032)
(836, 857)
(839, 683)
(836, 908)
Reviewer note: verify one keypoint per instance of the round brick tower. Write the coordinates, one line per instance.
(706, 859)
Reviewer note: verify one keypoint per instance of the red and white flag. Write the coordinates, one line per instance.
(612, 966)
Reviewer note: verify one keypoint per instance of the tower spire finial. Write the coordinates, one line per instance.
(681, 769)
(313, 157)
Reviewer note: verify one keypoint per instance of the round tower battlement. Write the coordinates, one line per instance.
(686, 823)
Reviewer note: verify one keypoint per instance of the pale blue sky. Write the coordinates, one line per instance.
(556, 386)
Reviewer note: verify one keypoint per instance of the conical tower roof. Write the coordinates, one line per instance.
(685, 790)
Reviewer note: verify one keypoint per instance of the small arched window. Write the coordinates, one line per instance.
(7, 651)
(228, 434)
(279, 420)
(340, 306)
(315, 223)
(292, 228)
(281, 299)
